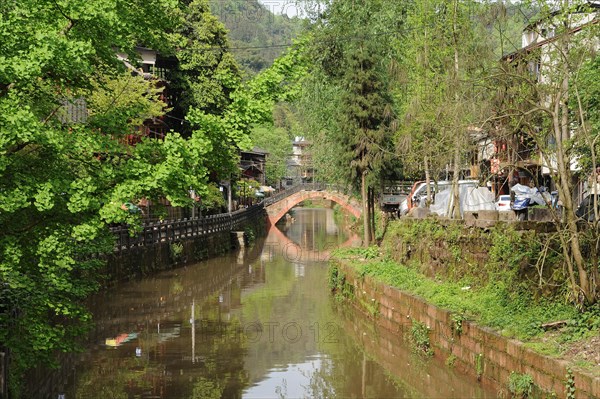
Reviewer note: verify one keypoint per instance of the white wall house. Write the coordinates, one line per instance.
(542, 52)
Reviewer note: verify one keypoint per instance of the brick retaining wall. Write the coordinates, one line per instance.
(396, 310)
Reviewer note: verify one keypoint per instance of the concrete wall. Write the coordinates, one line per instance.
(498, 356)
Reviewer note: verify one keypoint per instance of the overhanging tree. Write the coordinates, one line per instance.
(64, 175)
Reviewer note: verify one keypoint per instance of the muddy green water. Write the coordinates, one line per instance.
(259, 323)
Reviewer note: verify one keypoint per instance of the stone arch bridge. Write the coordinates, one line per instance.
(279, 204)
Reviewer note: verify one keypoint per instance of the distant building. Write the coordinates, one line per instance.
(252, 164)
(300, 165)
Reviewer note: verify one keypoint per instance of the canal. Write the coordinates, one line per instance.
(258, 323)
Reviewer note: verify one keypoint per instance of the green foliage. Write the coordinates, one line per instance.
(419, 334)
(520, 385)
(251, 104)
(207, 73)
(278, 142)
(64, 176)
(176, 251)
(246, 188)
(123, 100)
(213, 199)
(588, 94)
(582, 325)
(479, 365)
(450, 360)
(360, 126)
(63, 181)
(249, 234)
(457, 323)
(570, 384)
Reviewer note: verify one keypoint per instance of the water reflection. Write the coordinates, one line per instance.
(254, 324)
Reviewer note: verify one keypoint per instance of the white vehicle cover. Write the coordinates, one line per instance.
(471, 199)
(478, 199)
(536, 197)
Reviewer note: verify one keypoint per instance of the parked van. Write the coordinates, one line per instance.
(419, 190)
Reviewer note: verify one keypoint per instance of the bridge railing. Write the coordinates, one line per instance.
(304, 187)
(175, 230)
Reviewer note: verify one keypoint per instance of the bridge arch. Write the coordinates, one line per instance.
(278, 209)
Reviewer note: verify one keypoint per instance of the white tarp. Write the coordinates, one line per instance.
(470, 198)
(534, 195)
(479, 199)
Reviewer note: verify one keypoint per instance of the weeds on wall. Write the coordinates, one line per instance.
(419, 337)
(249, 234)
(493, 305)
(457, 323)
(450, 361)
(338, 284)
(523, 260)
(570, 384)
(176, 251)
(479, 365)
(520, 385)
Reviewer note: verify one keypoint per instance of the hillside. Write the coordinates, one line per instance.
(257, 36)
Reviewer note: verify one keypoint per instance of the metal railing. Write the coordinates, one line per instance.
(303, 187)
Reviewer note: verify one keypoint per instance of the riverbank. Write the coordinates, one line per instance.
(483, 277)
(499, 362)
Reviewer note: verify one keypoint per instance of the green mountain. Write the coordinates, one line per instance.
(257, 36)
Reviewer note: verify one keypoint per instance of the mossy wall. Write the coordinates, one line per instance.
(477, 351)
(449, 250)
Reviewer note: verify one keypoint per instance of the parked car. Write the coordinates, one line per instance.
(503, 203)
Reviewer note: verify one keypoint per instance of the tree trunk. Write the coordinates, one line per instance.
(566, 193)
(562, 133)
(455, 203)
(455, 208)
(365, 206)
(372, 203)
(427, 181)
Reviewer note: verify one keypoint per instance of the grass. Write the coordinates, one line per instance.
(514, 314)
